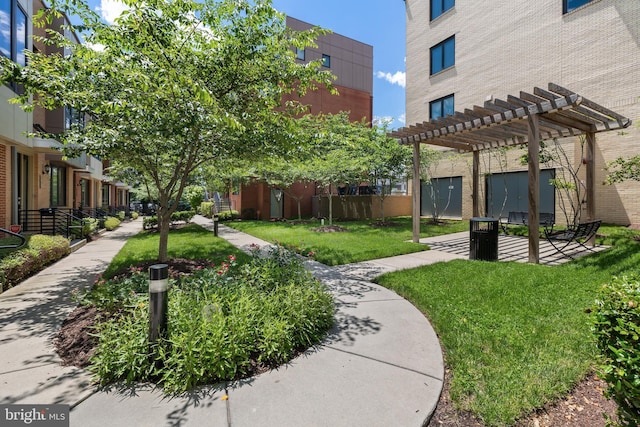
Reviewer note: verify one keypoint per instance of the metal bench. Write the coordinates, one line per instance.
(574, 233)
(545, 219)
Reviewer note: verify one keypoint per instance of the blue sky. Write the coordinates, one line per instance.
(379, 23)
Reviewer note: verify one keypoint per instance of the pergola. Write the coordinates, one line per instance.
(525, 119)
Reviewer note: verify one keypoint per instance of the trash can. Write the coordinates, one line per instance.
(483, 239)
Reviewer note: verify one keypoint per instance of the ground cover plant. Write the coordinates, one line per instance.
(515, 336)
(358, 240)
(227, 319)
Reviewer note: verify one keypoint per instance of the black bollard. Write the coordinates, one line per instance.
(158, 298)
(215, 225)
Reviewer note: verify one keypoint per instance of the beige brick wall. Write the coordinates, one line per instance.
(517, 45)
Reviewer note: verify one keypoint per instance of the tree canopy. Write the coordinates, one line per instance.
(171, 85)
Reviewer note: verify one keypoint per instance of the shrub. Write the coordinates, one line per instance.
(221, 321)
(206, 209)
(83, 228)
(228, 215)
(39, 252)
(111, 223)
(122, 215)
(134, 215)
(179, 216)
(617, 328)
(194, 195)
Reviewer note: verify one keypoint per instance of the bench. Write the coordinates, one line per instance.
(545, 219)
(574, 233)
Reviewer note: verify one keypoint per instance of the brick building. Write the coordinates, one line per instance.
(351, 62)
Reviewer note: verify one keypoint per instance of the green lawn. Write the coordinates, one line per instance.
(514, 335)
(362, 242)
(191, 242)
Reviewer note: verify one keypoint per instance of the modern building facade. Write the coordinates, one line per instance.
(461, 53)
(34, 174)
(351, 62)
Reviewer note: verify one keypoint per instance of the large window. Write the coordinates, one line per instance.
(58, 196)
(441, 107)
(13, 32)
(326, 61)
(443, 55)
(569, 5)
(438, 7)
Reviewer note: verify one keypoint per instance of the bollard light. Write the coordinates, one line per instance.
(158, 299)
(215, 225)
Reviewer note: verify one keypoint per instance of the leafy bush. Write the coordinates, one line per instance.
(194, 194)
(83, 228)
(122, 215)
(39, 252)
(184, 216)
(206, 209)
(111, 223)
(617, 328)
(228, 215)
(219, 320)
(134, 215)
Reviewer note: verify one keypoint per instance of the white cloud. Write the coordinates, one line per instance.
(95, 46)
(398, 78)
(110, 10)
(390, 121)
(403, 118)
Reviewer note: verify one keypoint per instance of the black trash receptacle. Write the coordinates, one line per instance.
(483, 239)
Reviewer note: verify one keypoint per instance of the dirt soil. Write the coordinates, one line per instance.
(584, 406)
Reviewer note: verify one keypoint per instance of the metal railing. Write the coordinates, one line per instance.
(51, 221)
(22, 239)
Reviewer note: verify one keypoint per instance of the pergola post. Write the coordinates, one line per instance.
(591, 173)
(476, 184)
(534, 189)
(416, 192)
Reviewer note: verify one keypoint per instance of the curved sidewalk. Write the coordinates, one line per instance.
(381, 365)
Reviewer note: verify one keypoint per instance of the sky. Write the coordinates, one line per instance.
(379, 23)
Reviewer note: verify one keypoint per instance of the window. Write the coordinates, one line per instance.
(13, 33)
(569, 5)
(73, 118)
(58, 195)
(300, 54)
(438, 7)
(441, 107)
(443, 55)
(326, 61)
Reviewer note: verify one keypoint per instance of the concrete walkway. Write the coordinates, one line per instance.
(381, 365)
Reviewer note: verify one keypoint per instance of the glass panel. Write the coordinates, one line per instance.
(448, 4)
(436, 109)
(447, 106)
(436, 8)
(449, 53)
(5, 27)
(300, 53)
(574, 4)
(326, 61)
(21, 36)
(436, 59)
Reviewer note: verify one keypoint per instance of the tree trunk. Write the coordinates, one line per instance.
(164, 221)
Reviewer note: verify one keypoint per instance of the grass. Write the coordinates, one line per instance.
(191, 242)
(362, 242)
(515, 336)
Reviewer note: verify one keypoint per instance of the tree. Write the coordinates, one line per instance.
(387, 160)
(338, 146)
(172, 85)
